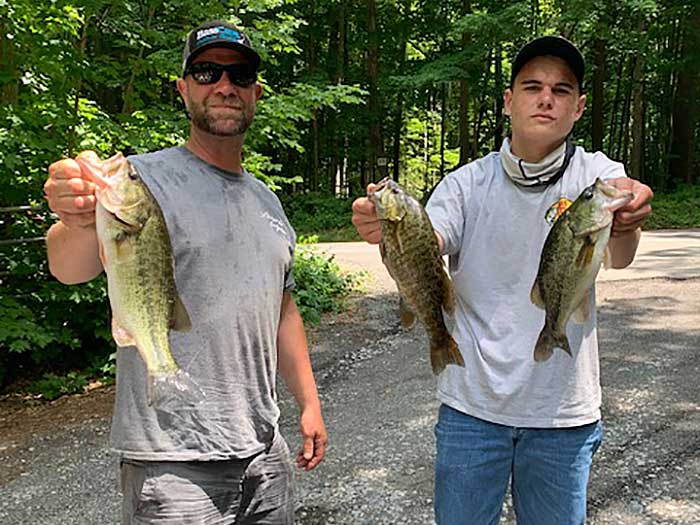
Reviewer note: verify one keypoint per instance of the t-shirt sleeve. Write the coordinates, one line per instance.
(446, 209)
(289, 282)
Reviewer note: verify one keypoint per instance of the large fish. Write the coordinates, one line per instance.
(136, 254)
(571, 257)
(410, 253)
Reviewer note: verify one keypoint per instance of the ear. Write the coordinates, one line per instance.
(258, 90)
(507, 101)
(182, 89)
(580, 106)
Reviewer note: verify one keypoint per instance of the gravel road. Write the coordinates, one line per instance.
(379, 403)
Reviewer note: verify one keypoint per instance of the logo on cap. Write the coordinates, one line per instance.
(219, 33)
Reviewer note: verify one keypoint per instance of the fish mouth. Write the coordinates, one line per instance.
(126, 225)
(386, 198)
(618, 198)
(620, 202)
(120, 220)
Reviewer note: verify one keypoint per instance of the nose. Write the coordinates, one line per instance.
(546, 99)
(224, 86)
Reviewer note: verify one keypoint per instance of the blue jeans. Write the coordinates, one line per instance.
(548, 467)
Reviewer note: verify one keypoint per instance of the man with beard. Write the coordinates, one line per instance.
(227, 229)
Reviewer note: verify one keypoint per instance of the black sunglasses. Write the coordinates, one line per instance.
(209, 73)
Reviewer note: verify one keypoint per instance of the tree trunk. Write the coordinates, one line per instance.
(78, 89)
(614, 144)
(464, 153)
(336, 44)
(498, 110)
(398, 117)
(128, 95)
(637, 154)
(313, 182)
(9, 88)
(685, 110)
(598, 93)
(625, 138)
(376, 143)
(443, 111)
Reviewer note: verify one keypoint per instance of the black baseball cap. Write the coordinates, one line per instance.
(550, 45)
(216, 33)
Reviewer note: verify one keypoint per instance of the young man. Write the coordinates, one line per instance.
(233, 249)
(504, 416)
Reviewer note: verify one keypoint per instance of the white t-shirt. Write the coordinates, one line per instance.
(494, 231)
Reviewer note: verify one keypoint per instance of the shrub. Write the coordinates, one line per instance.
(320, 214)
(679, 209)
(320, 285)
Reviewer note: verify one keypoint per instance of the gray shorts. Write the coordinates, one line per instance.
(240, 492)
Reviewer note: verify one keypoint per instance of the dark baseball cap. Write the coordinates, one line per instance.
(550, 45)
(216, 33)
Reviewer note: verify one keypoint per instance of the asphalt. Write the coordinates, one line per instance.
(378, 397)
(668, 254)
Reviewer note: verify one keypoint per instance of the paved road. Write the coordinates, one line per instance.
(672, 254)
(379, 403)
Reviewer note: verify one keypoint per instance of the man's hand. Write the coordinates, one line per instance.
(69, 193)
(365, 220)
(630, 217)
(313, 432)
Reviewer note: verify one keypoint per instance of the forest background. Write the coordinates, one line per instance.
(353, 91)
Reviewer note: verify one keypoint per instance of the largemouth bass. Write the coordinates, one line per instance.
(410, 253)
(571, 257)
(136, 254)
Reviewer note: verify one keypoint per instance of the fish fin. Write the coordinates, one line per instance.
(536, 295)
(121, 336)
(449, 320)
(173, 391)
(101, 253)
(607, 258)
(397, 238)
(585, 255)
(583, 311)
(448, 297)
(181, 319)
(445, 353)
(124, 246)
(547, 342)
(408, 318)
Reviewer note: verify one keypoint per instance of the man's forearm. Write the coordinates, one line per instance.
(73, 253)
(623, 248)
(293, 357)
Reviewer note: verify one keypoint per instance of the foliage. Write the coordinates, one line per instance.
(320, 214)
(101, 75)
(52, 386)
(320, 285)
(678, 209)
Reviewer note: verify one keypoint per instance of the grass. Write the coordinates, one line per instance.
(677, 210)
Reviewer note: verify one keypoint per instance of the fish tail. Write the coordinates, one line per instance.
(445, 352)
(548, 341)
(174, 390)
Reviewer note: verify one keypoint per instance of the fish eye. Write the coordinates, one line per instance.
(394, 191)
(588, 194)
(133, 175)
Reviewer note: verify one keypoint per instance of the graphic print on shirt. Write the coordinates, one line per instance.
(556, 209)
(276, 224)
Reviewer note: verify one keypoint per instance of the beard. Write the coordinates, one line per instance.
(234, 122)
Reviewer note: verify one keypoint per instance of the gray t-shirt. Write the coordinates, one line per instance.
(233, 249)
(494, 231)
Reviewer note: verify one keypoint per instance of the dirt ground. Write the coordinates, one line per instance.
(378, 398)
(23, 419)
